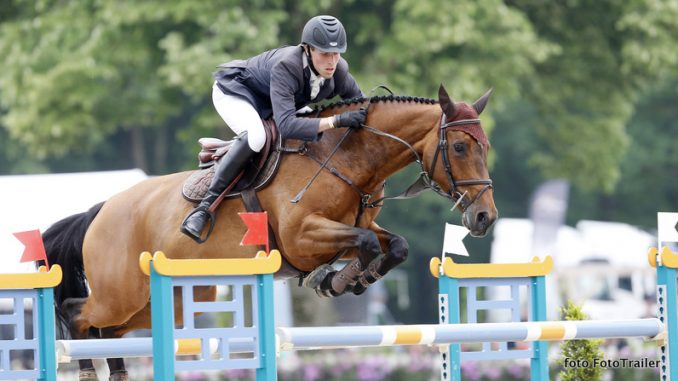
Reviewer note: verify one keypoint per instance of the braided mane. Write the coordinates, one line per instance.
(376, 99)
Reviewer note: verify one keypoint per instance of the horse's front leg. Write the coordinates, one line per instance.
(396, 249)
(321, 235)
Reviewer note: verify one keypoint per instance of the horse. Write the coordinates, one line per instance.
(345, 172)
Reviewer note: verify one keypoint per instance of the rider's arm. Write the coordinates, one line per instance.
(284, 84)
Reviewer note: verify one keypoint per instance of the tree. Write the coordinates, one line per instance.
(584, 95)
(75, 73)
(582, 65)
(648, 166)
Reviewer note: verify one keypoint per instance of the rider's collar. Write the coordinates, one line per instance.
(305, 58)
(316, 80)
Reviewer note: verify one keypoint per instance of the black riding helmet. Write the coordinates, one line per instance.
(325, 33)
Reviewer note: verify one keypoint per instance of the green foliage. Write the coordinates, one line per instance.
(650, 162)
(585, 93)
(583, 351)
(78, 72)
(467, 45)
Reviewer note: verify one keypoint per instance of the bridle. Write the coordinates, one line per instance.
(454, 194)
(425, 179)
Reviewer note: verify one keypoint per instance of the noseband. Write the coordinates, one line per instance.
(454, 194)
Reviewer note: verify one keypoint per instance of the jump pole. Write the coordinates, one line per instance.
(126, 347)
(444, 334)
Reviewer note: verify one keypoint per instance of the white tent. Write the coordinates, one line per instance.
(618, 243)
(29, 202)
(601, 265)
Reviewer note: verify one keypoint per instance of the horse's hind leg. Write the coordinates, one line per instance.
(116, 366)
(78, 312)
(396, 253)
(71, 309)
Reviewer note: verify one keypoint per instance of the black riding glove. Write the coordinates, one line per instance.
(351, 119)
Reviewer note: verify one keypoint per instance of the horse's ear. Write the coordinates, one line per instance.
(480, 104)
(446, 103)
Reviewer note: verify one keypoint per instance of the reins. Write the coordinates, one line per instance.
(323, 165)
(423, 182)
(333, 170)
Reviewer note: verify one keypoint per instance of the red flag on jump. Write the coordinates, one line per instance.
(257, 229)
(35, 249)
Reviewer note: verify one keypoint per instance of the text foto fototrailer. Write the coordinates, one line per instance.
(618, 363)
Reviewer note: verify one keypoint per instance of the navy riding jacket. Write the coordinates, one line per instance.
(276, 83)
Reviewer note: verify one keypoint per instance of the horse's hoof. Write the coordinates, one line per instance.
(119, 376)
(324, 293)
(315, 278)
(88, 375)
(358, 289)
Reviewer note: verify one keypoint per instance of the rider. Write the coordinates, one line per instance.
(277, 83)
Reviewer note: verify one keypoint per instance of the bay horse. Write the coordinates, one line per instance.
(335, 218)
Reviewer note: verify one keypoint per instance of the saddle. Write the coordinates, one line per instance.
(257, 173)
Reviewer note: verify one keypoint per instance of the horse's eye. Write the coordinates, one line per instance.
(458, 147)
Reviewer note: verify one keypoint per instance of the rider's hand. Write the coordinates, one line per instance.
(351, 119)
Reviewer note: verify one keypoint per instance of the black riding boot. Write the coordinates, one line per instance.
(227, 169)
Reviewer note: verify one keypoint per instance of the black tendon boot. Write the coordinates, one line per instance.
(227, 169)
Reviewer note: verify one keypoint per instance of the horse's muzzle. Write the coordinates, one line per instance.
(478, 220)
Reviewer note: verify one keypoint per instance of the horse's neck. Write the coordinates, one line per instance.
(381, 156)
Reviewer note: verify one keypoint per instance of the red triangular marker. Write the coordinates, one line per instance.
(257, 229)
(35, 249)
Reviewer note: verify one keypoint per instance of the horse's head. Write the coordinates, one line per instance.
(458, 162)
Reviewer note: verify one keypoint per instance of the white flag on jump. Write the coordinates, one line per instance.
(453, 243)
(667, 227)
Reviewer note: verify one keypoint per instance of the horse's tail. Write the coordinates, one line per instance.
(63, 245)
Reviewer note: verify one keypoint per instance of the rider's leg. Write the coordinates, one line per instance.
(243, 119)
(240, 116)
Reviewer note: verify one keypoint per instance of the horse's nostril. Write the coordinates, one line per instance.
(483, 218)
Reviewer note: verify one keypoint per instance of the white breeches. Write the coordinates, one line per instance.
(240, 116)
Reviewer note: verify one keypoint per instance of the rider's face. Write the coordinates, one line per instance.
(324, 62)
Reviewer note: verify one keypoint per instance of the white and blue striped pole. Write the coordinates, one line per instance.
(309, 338)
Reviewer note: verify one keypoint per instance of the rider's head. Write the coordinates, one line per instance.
(324, 38)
